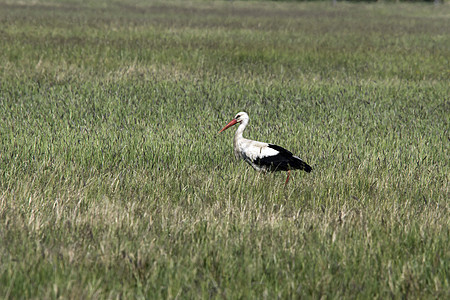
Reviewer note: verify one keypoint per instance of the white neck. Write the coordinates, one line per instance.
(240, 130)
(238, 137)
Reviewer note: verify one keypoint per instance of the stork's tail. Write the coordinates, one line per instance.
(297, 163)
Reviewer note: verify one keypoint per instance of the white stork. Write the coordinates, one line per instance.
(263, 157)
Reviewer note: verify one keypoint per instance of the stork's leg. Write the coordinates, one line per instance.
(287, 179)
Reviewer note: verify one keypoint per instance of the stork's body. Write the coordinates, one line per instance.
(263, 156)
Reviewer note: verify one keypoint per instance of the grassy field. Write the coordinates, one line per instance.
(115, 184)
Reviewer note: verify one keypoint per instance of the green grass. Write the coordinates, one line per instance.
(115, 184)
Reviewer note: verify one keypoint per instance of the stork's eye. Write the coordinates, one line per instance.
(237, 117)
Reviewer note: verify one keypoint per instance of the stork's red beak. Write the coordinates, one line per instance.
(233, 122)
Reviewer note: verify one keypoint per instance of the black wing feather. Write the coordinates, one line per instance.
(283, 161)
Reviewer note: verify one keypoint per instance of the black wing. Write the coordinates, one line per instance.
(282, 161)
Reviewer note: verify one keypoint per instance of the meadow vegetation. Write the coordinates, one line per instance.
(115, 184)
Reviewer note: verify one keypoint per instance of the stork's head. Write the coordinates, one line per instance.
(241, 117)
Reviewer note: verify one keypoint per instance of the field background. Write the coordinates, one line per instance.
(115, 184)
